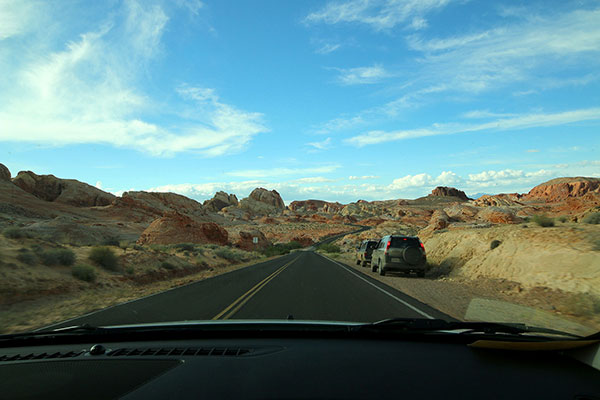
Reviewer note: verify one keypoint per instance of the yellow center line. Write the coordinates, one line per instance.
(243, 299)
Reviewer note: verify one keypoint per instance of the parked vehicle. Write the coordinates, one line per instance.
(399, 253)
(364, 252)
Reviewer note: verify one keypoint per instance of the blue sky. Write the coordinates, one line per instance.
(339, 100)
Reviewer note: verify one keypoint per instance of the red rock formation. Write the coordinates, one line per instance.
(560, 189)
(305, 241)
(312, 206)
(498, 215)
(220, 201)
(246, 240)
(4, 173)
(499, 200)
(445, 191)
(67, 191)
(178, 228)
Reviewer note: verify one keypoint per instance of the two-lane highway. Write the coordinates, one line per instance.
(303, 284)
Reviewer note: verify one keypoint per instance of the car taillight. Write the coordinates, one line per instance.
(387, 247)
(422, 247)
(365, 254)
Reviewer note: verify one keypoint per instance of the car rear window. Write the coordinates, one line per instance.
(372, 245)
(404, 242)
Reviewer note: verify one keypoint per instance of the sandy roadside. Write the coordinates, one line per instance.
(34, 314)
(482, 299)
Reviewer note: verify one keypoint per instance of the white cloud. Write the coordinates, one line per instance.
(525, 52)
(323, 145)
(88, 93)
(533, 151)
(192, 6)
(362, 75)
(364, 177)
(518, 122)
(16, 17)
(272, 172)
(327, 48)
(409, 186)
(479, 114)
(378, 14)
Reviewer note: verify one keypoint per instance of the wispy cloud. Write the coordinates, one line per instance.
(276, 172)
(519, 122)
(89, 92)
(322, 145)
(540, 53)
(362, 75)
(378, 14)
(327, 48)
(362, 178)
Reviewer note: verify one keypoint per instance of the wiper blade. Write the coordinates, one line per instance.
(421, 325)
(69, 330)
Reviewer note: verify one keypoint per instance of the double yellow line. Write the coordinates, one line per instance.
(243, 299)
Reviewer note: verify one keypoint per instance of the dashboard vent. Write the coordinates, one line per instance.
(39, 356)
(180, 351)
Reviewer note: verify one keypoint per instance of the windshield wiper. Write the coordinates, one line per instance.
(420, 325)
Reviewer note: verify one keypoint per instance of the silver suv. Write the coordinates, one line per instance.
(399, 253)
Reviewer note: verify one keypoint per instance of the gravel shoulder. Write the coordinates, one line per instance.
(486, 299)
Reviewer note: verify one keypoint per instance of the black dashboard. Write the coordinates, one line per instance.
(291, 368)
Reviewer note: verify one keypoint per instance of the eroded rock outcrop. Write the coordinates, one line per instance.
(262, 201)
(220, 201)
(245, 240)
(178, 228)
(67, 191)
(4, 173)
(158, 203)
(560, 189)
(313, 206)
(445, 191)
(498, 215)
(499, 200)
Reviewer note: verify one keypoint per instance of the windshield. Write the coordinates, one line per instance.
(209, 160)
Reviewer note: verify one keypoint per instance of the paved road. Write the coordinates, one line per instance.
(303, 284)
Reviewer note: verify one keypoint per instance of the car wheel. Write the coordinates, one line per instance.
(357, 262)
(421, 274)
(363, 264)
(381, 271)
(373, 266)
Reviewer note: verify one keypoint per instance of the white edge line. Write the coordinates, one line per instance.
(380, 289)
(147, 296)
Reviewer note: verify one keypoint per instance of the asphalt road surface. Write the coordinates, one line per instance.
(303, 284)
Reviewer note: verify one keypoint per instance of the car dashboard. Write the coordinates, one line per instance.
(291, 367)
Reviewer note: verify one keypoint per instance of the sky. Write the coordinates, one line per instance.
(331, 100)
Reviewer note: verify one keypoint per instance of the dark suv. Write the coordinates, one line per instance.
(399, 253)
(363, 252)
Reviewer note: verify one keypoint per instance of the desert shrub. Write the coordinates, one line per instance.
(543, 221)
(167, 265)
(26, 258)
(228, 254)
(57, 257)
(494, 244)
(159, 248)
(596, 244)
(185, 246)
(281, 248)
(526, 219)
(104, 257)
(562, 219)
(84, 272)
(137, 247)
(14, 233)
(330, 248)
(593, 218)
(130, 270)
(111, 241)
